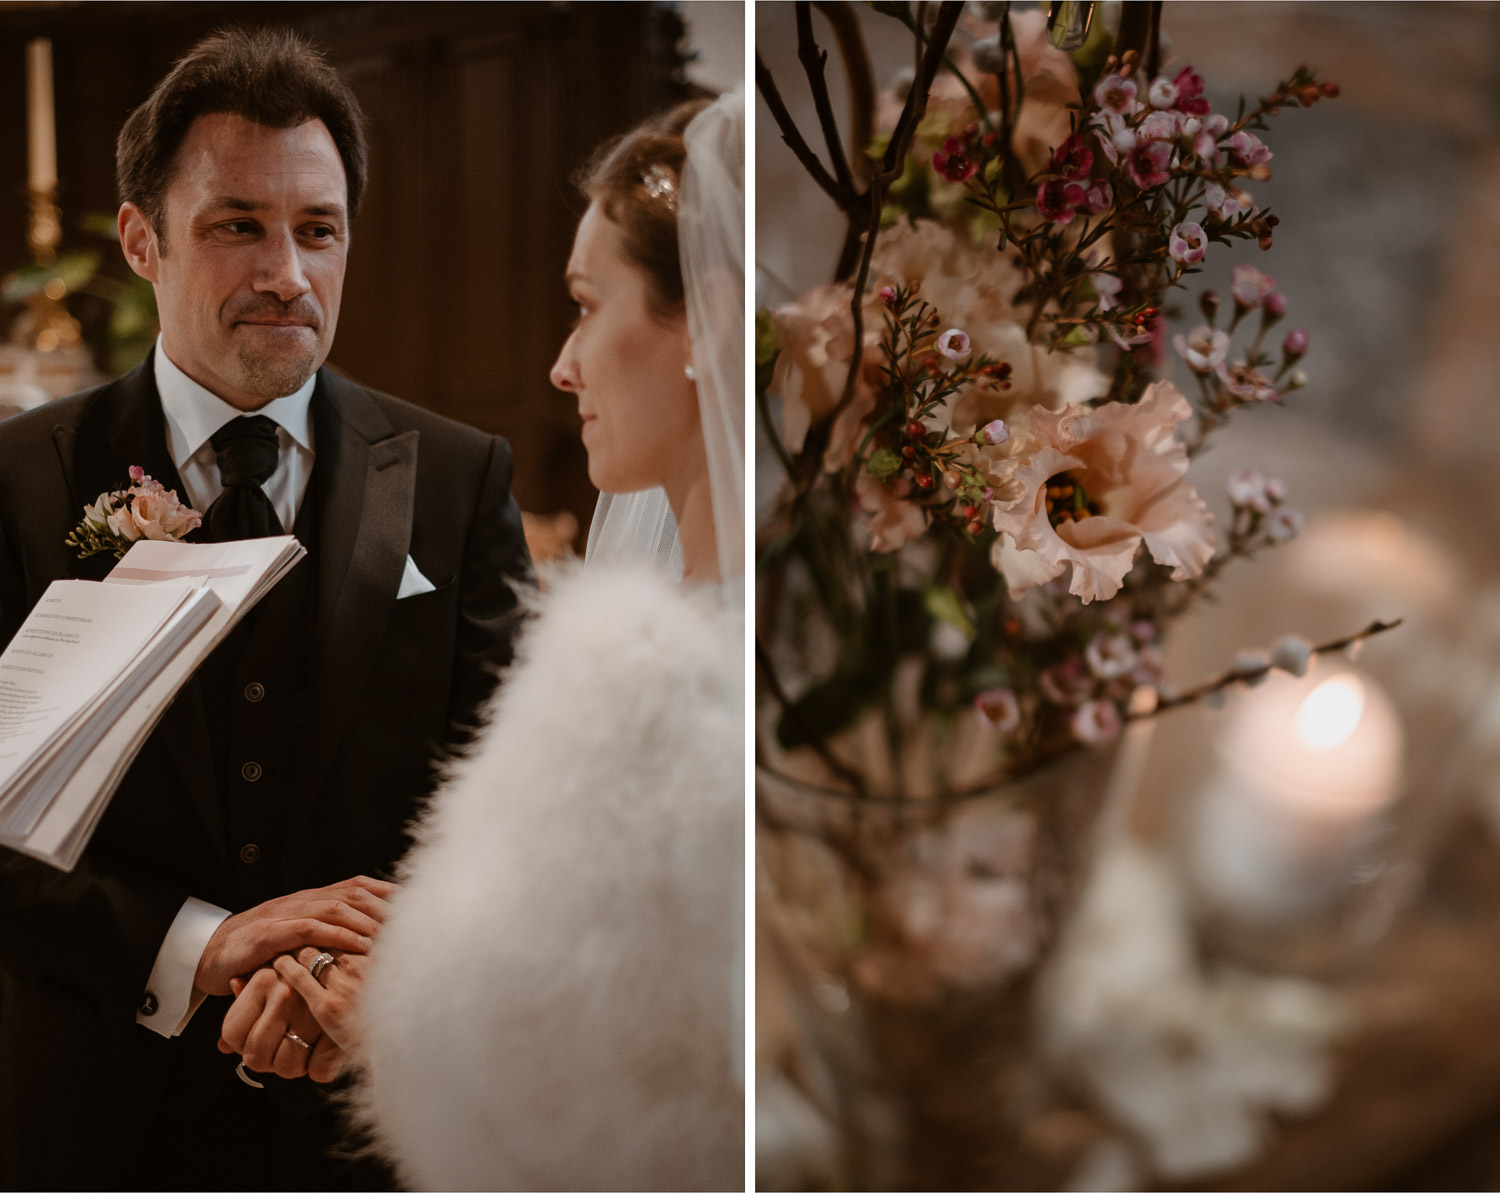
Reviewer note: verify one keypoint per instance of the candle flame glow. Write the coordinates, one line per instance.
(1331, 712)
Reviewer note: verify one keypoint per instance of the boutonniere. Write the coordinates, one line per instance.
(142, 509)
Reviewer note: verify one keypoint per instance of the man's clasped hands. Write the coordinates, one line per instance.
(284, 1019)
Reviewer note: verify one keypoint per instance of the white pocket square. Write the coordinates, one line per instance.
(413, 583)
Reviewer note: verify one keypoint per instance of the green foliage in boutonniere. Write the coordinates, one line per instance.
(142, 509)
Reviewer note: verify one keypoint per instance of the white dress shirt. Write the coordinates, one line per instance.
(193, 415)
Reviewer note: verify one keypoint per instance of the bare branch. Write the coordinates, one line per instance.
(814, 63)
(793, 137)
(1254, 674)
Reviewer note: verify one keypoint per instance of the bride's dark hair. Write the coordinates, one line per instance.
(635, 179)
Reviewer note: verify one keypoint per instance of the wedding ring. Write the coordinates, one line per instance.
(246, 1078)
(319, 963)
(296, 1039)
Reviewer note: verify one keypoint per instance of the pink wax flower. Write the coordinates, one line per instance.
(998, 709)
(1247, 490)
(1248, 148)
(1114, 134)
(1295, 343)
(993, 433)
(1187, 243)
(1247, 384)
(1116, 93)
(1283, 526)
(1066, 683)
(1274, 305)
(1058, 199)
(137, 473)
(1162, 93)
(1097, 198)
(1130, 467)
(1095, 721)
(1190, 92)
(1107, 286)
(1160, 126)
(888, 295)
(1203, 348)
(1073, 158)
(1249, 286)
(954, 344)
(1110, 655)
(1147, 163)
(1226, 204)
(954, 164)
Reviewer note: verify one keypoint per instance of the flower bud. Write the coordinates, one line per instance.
(993, 433)
(1292, 655)
(1274, 306)
(1295, 343)
(1208, 303)
(888, 295)
(1296, 381)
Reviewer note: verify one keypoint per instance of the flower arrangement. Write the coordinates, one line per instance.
(141, 509)
(987, 518)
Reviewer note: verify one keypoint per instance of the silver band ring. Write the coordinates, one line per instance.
(319, 963)
(296, 1039)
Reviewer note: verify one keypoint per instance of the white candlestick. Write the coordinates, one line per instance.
(42, 140)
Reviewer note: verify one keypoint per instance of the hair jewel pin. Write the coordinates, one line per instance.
(661, 186)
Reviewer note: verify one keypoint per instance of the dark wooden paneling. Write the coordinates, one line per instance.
(478, 115)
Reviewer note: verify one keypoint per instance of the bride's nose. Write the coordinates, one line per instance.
(564, 373)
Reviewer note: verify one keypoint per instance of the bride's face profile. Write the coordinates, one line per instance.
(626, 364)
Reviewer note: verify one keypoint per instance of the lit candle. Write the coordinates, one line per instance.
(42, 140)
(1306, 769)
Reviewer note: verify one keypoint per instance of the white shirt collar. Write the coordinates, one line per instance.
(194, 413)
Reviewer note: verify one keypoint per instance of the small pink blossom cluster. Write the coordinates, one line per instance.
(1090, 689)
(1068, 191)
(1206, 348)
(959, 157)
(1258, 500)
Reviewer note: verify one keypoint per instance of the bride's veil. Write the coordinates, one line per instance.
(711, 247)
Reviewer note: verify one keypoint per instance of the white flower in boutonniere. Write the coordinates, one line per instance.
(143, 509)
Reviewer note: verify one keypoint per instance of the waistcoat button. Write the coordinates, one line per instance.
(249, 854)
(254, 693)
(251, 771)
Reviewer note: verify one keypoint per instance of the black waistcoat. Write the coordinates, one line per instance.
(255, 692)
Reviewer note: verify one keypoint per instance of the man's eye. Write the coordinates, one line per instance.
(239, 227)
(320, 232)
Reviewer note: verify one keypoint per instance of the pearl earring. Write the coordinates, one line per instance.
(690, 373)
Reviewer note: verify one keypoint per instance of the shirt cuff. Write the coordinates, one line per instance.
(170, 999)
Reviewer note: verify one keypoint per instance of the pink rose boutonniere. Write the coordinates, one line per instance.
(143, 509)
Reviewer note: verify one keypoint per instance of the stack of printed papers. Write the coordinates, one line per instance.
(90, 673)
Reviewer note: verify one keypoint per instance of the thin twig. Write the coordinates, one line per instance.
(793, 137)
(814, 64)
(1254, 674)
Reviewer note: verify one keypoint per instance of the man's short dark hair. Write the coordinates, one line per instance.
(270, 76)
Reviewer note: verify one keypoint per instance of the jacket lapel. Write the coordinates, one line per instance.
(125, 426)
(367, 488)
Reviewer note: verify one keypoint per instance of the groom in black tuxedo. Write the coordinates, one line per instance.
(274, 793)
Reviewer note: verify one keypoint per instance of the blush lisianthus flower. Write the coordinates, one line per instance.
(816, 335)
(1098, 484)
(893, 521)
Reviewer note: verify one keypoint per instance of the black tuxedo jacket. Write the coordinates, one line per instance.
(389, 683)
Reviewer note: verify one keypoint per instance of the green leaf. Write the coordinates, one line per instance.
(766, 346)
(946, 605)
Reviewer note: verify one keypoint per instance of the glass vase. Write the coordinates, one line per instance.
(909, 936)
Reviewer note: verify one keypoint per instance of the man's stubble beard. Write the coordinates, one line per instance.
(272, 377)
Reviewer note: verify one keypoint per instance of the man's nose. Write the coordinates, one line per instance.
(279, 268)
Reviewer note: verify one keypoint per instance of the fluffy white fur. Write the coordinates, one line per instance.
(550, 1006)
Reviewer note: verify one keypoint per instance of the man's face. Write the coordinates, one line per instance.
(256, 239)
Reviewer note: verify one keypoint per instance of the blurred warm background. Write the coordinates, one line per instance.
(1298, 991)
(478, 114)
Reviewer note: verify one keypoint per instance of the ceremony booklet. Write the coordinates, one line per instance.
(93, 668)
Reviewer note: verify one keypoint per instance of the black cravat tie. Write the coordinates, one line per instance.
(248, 453)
